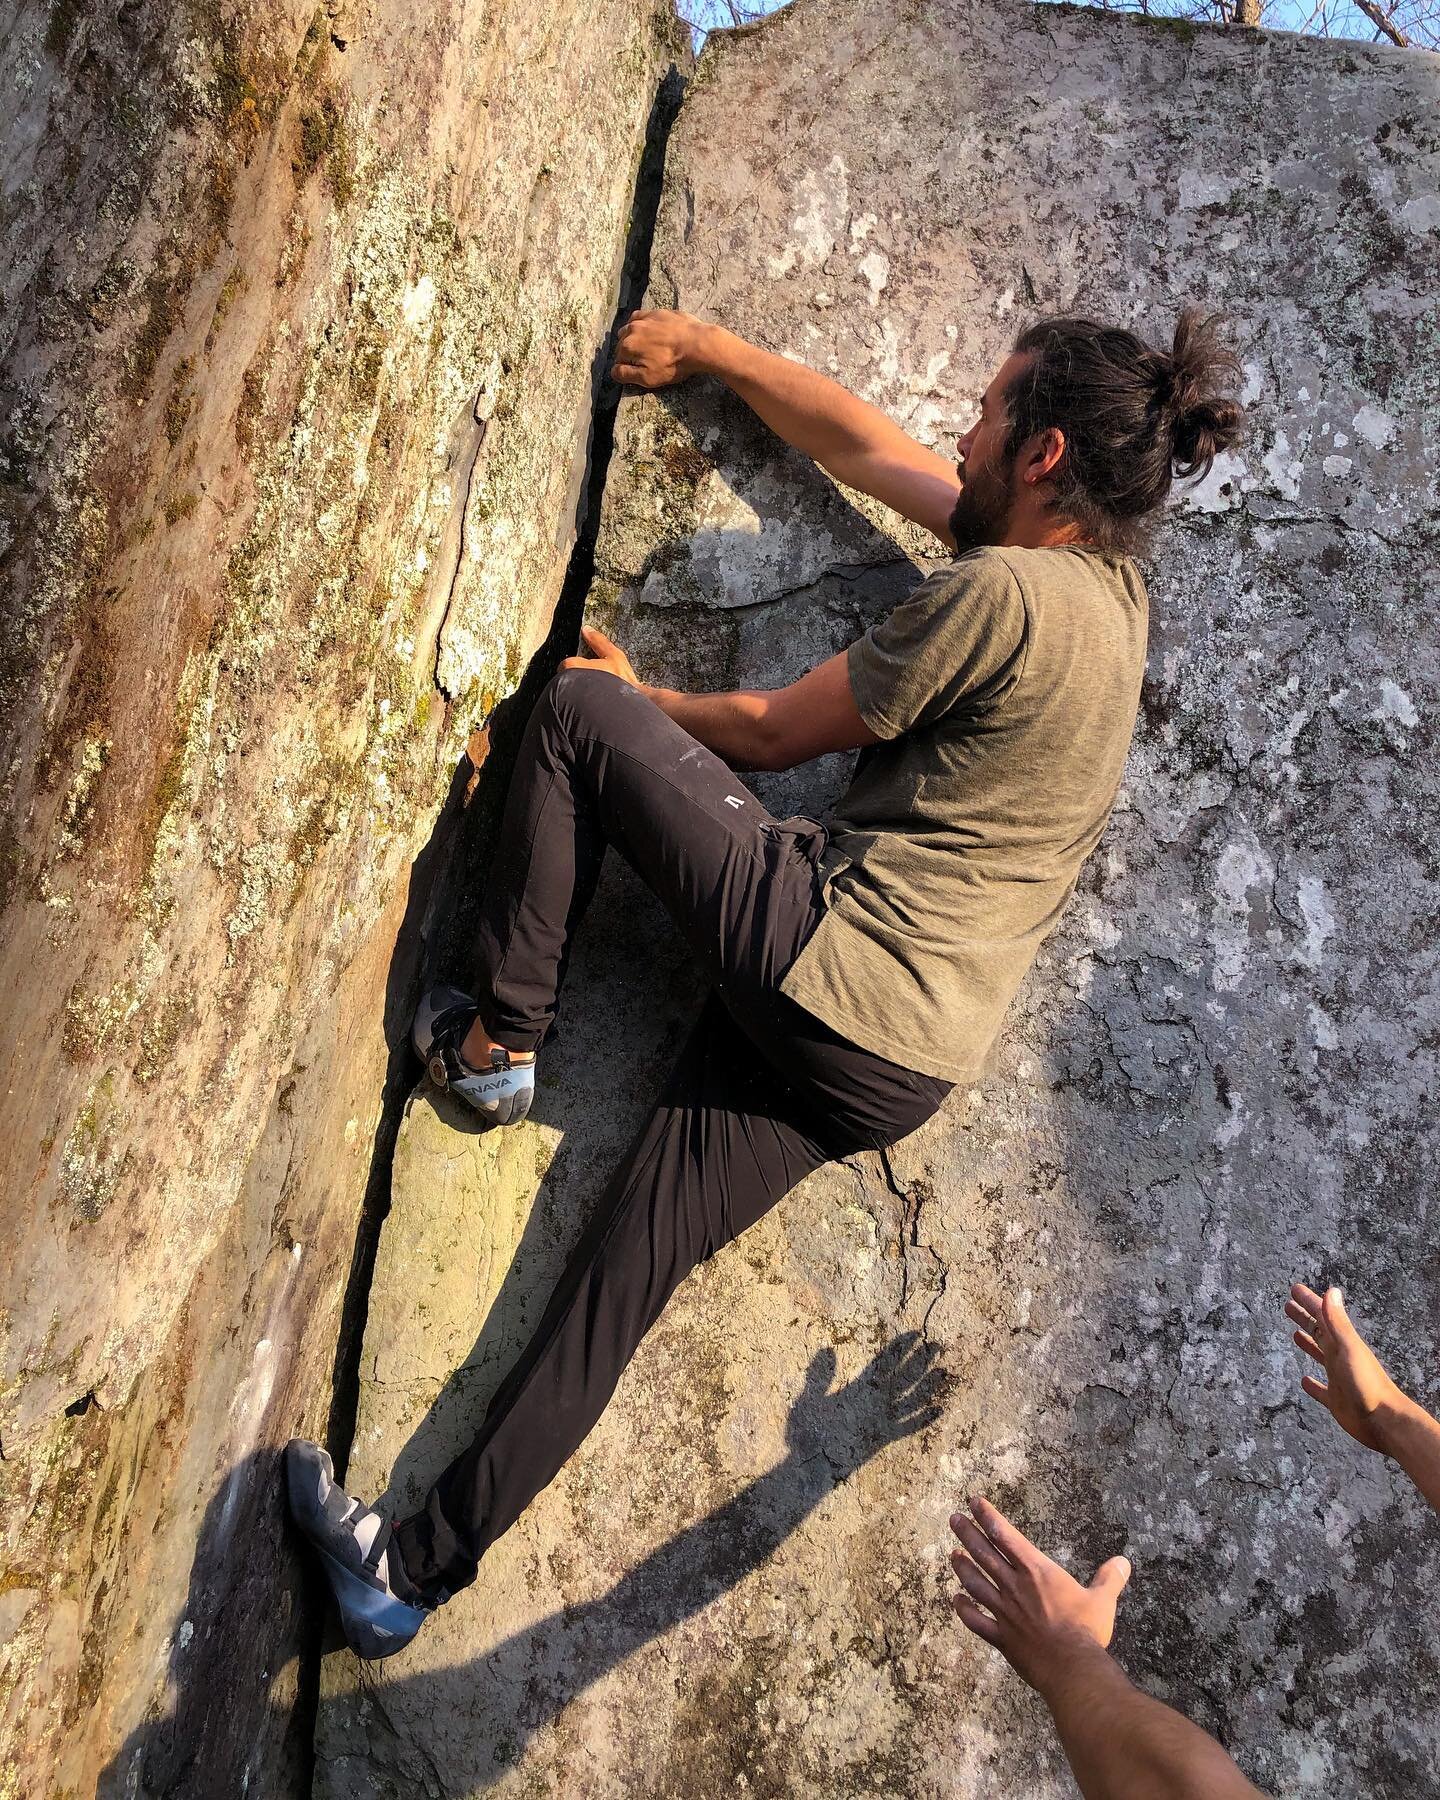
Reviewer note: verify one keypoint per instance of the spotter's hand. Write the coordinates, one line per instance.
(1020, 1601)
(1358, 1393)
(602, 655)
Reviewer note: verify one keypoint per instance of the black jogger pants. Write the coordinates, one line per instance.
(762, 1094)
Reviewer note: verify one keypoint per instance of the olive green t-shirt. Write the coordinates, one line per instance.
(1005, 690)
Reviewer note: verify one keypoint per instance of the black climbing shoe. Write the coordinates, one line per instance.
(353, 1544)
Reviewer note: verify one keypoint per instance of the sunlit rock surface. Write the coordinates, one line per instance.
(300, 309)
(1218, 1078)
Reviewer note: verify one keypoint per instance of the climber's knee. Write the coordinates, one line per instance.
(589, 703)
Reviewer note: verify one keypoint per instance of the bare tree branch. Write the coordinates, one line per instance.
(1410, 24)
(1383, 22)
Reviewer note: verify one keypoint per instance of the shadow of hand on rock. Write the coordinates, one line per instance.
(896, 1394)
(828, 1437)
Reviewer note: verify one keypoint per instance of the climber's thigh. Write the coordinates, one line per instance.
(740, 884)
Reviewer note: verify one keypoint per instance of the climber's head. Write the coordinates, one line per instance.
(1088, 425)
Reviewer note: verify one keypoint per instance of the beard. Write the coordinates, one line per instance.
(983, 510)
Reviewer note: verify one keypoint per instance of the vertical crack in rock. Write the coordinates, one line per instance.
(471, 847)
(634, 279)
(912, 1203)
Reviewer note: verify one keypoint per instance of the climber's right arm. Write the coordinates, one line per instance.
(854, 441)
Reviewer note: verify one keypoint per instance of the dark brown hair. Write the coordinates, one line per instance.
(1134, 418)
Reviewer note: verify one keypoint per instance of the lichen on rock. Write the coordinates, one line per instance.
(264, 269)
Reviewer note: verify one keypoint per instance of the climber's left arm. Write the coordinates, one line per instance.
(752, 728)
(852, 440)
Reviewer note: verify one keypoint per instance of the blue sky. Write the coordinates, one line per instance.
(1283, 15)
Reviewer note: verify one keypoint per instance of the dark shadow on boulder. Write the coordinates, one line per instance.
(226, 1636)
(188, 1752)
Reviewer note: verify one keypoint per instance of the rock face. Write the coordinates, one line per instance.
(300, 315)
(1215, 1080)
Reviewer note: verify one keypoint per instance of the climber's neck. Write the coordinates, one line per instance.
(1032, 525)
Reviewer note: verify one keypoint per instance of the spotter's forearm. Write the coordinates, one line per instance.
(1124, 1745)
(1412, 1437)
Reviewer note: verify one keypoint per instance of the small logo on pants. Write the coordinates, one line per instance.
(730, 800)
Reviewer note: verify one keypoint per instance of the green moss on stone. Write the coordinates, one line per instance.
(12, 865)
(168, 787)
(161, 1032)
(65, 15)
(231, 289)
(335, 785)
(324, 138)
(232, 80)
(90, 1166)
(177, 407)
(252, 398)
(368, 357)
(86, 691)
(161, 303)
(1186, 30)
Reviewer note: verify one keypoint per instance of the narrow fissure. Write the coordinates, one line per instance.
(451, 870)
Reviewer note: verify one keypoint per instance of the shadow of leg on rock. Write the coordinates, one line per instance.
(509, 1309)
(529, 1678)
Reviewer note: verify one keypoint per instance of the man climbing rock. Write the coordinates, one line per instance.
(857, 971)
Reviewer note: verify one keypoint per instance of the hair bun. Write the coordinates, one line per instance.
(1203, 373)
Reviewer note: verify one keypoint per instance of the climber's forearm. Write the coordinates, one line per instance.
(816, 415)
(775, 728)
(736, 726)
(856, 442)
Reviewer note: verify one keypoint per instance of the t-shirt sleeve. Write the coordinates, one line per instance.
(959, 639)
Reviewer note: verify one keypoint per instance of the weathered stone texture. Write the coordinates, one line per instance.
(300, 312)
(1220, 1076)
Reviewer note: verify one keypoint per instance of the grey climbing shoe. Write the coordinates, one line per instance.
(353, 1544)
(502, 1093)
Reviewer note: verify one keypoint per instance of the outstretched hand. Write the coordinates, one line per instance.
(1027, 1606)
(1358, 1394)
(603, 654)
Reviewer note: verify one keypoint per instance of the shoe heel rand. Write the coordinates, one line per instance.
(358, 1603)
